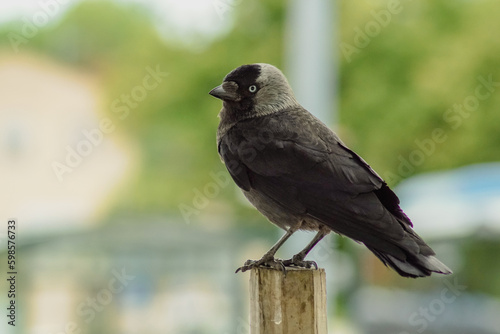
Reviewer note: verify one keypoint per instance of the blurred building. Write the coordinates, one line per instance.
(455, 203)
(457, 212)
(159, 276)
(61, 157)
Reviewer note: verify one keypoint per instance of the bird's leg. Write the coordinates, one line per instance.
(268, 259)
(298, 259)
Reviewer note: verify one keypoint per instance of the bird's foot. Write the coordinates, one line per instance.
(265, 261)
(298, 261)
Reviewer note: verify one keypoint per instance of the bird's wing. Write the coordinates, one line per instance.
(297, 162)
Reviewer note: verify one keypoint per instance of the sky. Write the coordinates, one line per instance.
(188, 19)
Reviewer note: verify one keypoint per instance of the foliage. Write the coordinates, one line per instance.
(394, 92)
(398, 89)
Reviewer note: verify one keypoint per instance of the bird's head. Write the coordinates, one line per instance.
(255, 90)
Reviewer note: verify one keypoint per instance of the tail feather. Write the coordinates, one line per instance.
(414, 265)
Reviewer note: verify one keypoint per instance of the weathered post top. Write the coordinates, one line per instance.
(295, 303)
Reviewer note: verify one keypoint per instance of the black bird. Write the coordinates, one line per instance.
(301, 176)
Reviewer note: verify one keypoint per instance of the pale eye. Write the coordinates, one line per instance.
(252, 89)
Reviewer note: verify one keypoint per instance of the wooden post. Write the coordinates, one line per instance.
(295, 303)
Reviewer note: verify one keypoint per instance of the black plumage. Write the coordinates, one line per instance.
(300, 175)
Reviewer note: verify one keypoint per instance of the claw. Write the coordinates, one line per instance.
(297, 261)
(277, 264)
(264, 262)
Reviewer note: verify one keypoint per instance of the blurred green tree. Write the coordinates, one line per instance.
(409, 70)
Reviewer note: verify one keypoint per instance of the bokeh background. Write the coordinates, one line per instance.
(127, 221)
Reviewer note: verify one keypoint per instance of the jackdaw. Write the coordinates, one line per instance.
(301, 176)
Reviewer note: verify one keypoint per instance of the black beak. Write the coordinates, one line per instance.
(220, 93)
